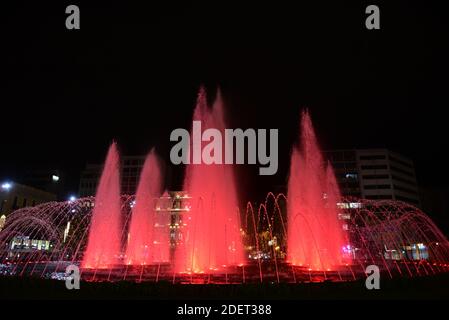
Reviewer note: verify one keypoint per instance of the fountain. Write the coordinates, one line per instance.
(200, 235)
(211, 237)
(145, 245)
(315, 236)
(103, 246)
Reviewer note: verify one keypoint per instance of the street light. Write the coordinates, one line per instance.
(72, 198)
(6, 186)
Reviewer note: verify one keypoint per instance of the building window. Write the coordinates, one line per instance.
(406, 164)
(377, 186)
(403, 179)
(375, 176)
(373, 157)
(375, 167)
(349, 205)
(14, 204)
(2, 221)
(345, 165)
(406, 172)
(379, 197)
(344, 216)
(350, 156)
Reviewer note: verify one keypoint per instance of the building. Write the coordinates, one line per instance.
(14, 196)
(50, 180)
(171, 209)
(375, 174)
(130, 168)
(89, 179)
(361, 173)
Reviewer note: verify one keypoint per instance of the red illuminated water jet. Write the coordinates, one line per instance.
(315, 236)
(103, 246)
(211, 232)
(146, 244)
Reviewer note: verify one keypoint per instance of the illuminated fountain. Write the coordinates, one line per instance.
(315, 236)
(104, 244)
(211, 237)
(200, 236)
(145, 245)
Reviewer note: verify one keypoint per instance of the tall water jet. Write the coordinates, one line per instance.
(211, 235)
(145, 244)
(315, 236)
(103, 246)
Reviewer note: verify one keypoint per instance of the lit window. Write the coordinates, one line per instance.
(343, 205)
(344, 216)
(355, 205)
(2, 221)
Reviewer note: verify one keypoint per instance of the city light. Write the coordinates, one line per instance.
(72, 198)
(55, 178)
(6, 186)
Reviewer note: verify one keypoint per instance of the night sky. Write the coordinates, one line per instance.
(132, 73)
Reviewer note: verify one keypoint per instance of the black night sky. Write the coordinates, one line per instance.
(132, 73)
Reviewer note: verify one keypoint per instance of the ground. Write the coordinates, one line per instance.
(432, 287)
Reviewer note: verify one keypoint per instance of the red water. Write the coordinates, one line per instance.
(315, 235)
(211, 235)
(145, 242)
(103, 246)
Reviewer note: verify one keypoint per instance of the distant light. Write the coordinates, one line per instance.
(55, 178)
(6, 186)
(355, 205)
(72, 198)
